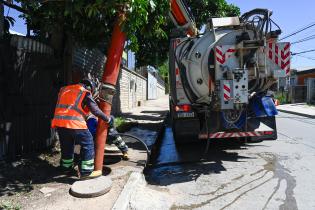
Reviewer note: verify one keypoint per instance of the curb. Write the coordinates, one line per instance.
(122, 201)
(297, 113)
(136, 178)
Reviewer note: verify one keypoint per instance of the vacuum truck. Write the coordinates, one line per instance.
(221, 79)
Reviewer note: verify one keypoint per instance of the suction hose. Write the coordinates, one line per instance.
(142, 142)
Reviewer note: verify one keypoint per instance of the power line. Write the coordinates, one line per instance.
(310, 58)
(306, 51)
(298, 31)
(304, 39)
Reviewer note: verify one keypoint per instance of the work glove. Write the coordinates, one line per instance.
(111, 121)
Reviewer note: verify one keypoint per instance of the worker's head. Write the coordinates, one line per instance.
(89, 85)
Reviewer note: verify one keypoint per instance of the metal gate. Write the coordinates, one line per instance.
(311, 91)
(30, 79)
(152, 87)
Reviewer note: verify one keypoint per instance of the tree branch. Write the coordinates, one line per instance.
(13, 6)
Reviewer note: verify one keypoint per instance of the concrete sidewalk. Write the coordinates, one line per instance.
(301, 109)
(125, 175)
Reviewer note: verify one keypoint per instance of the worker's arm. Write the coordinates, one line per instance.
(92, 105)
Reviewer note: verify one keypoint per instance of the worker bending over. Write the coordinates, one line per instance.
(75, 103)
(113, 135)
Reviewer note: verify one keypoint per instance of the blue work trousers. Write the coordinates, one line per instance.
(82, 137)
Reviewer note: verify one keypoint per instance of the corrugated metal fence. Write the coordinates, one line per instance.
(297, 94)
(31, 79)
(89, 61)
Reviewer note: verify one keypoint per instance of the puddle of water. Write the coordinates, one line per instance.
(272, 165)
(281, 173)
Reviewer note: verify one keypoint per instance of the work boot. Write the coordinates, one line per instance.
(125, 156)
(92, 175)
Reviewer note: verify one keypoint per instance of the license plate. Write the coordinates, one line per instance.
(185, 114)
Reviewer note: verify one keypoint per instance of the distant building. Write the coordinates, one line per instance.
(285, 82)
(304, 75)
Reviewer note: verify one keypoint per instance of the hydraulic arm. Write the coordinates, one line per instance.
(182, 18)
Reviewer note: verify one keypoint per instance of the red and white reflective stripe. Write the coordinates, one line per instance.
(221, 57)
(280, 57)
(226, 91)
(285, 58)
(222, 135)
(219, 54)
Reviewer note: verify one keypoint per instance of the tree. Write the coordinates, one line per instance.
(90, 22)
(155, 48)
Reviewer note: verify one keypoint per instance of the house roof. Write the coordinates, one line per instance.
(307, 71)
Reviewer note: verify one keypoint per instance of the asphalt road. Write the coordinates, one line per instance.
(268, 175)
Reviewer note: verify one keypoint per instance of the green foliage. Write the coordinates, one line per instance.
(154, 48)
(8, 205)
(90, 22)
(122, 125)
(202, 10)
(164, 69)
(119, 121)
(281, 97)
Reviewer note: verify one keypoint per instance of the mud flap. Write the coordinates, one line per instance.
(185, 130)
(266, 124)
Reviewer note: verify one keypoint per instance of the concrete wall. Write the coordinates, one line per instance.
(131, 91)
(160, 90)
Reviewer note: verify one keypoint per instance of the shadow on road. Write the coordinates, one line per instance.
(187, 162)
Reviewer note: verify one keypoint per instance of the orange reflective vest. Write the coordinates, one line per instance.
(69, 112)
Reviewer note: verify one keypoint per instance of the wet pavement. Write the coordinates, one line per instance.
(232, 175)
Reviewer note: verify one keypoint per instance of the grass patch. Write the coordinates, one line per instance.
(122, 125)
(281, 97)
(9, 205)
(119, 121)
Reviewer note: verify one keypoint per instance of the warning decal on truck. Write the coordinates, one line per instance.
(279, 54)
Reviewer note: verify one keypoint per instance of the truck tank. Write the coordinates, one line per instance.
(228, 71)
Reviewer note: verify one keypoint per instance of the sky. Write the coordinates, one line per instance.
(290, 15)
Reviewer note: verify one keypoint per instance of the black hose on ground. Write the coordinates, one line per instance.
(208, 137)
(142, 142)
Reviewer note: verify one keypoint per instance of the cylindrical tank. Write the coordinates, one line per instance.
(200, 69)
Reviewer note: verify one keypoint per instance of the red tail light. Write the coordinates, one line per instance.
(183, 108)
(268, 132)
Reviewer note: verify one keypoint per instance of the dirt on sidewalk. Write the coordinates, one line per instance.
(35, 182)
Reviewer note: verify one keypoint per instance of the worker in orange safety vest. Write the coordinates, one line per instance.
(74, 104)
